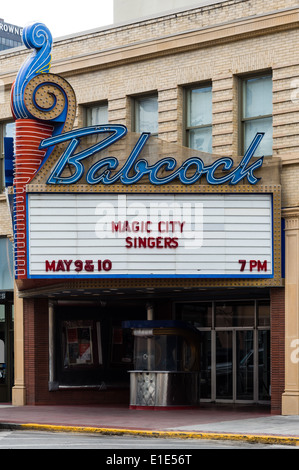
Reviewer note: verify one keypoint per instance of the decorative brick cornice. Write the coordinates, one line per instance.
(291, 216)
(181, 42)
(246, 28)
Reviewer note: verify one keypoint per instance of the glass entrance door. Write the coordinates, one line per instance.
(3, 345)
(234, 365)
(224, 365)
(235, 349)
(244, 365)
(6, 352)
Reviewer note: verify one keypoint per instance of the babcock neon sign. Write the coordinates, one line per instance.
(44, 108)
(41, 97)
(134, 170)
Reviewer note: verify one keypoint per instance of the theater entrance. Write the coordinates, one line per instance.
(235, 349)
(6, 348)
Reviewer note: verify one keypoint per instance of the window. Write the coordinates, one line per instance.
(257, 113)
(146, 114)
(199, 118)
(7, 129)
(96, 114)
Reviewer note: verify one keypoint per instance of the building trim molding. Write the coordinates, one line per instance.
(247, 28)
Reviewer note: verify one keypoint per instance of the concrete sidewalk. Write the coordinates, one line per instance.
(247, 423)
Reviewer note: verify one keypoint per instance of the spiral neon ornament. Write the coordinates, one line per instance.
(38, 37)
(43, 104)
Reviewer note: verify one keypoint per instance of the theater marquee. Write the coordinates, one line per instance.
(149, 235)
(103, 203)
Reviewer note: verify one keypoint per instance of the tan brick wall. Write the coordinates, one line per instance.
(5, 220)
(228, 62)
(220, 62)
(289, 181)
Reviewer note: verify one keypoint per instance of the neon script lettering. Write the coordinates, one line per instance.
(134, 170)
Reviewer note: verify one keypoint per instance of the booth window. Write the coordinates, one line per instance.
(7, 129)
(146, 114)
(199, 118)
(256, 113)
(97, 114)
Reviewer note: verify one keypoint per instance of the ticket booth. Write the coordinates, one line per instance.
(166, 364)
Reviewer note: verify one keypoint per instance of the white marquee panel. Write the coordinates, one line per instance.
(207, 235)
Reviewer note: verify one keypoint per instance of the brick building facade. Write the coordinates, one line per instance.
(219, 46)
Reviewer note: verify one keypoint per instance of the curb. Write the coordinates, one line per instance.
(253, 438)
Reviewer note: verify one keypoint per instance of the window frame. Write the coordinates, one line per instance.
(243, 120)
(2, 168)
(187, 108)
(135, 111)
(89, 107)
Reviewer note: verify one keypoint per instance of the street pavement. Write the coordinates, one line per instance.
(222, 422)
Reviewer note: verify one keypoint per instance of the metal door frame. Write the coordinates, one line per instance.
(8, 329)
(234, 331)
(213, 329)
